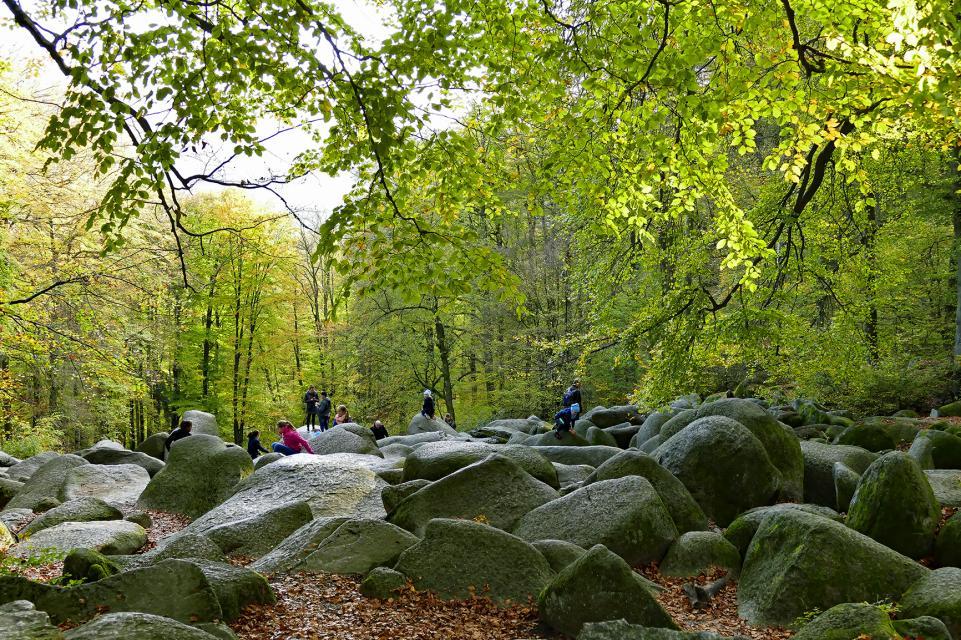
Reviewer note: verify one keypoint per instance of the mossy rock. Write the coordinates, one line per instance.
(742, 530)
(596, 587)
(952, 409)
(8, 489)
(799, 562)
(88, 565)
(236, 587)
(623, 630)
(382, 583)
(357, 547)
(937, 594)
(873, 437)
(395, 494)
(42, 490)
(559, 553)
(947, 548)
(819, 460)
(894, 504)
(19, 620)
(136, 626)
(922, 628)
(598, 436)
(936, 450)
(697, 552)
(850, 621)
(684, 510)
(87, 509)
(434, 460)
(259, 534)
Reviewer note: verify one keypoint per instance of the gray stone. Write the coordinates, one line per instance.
(22, 471)
(202, 423)
(572, 474)
(434, 460)
(85, 509)
(396, 451)
(421, 424)
(936, 450)
(267, 458)
(342, 439)
(382, 582)
(106, 455)
(598, 436)
(118, 484)
(947, 549)
(596, 587)
(235, 587)
(946, 484)
(608, 417)
(140, 517)
(184, 547)
(819, 461)
(16, 519)
(559, 553)
(7, 460)
(697, 552)
(623, 630)
(46, 482)
(108, 537)
(458, 558)
(626, 515)
(153, 445)
(850, 621)
(297, 546)
(395, 494)
(846, 482)
(201, 473)
(495, 490)
(412, 440)
(623, 433)
(259, 534)
(139, 626)
(798, 562)
(937, 594)
(8, 489)
(590, 455)
(19, 620)
(357, 546)
(742, 530)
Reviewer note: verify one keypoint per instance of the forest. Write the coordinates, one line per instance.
(658, 197)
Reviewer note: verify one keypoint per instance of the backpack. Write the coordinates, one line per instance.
(569, 396)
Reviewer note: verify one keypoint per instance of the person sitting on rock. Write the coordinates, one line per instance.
(291, 441)
(254, 448)
(180, 432)
(379, 430)
(342, 416)
(564, 420)
(428, 409)
(449, 419)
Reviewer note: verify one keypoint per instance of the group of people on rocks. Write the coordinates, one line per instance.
(565, 418)
(428, 410)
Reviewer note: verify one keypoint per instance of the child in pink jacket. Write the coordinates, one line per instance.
(292, 442)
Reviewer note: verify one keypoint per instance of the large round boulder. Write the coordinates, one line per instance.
(800, 562)
(86, 509)
(610, 416)
(117, 484)
(111, 537)
(696, 552)
(936, 450)
(625, 514)
(109, 455)
(46, 483)
(343, 439)
(153, 445)
(819, 460)
(850, 621)
(422, 424)
(23, 470)
(495, 490)
(201, 472)
(742, 530)
(458, 559)
(202, 423)
(356, 547)
(894, 504)
(723, 465)
(258, 534)
(434, 460)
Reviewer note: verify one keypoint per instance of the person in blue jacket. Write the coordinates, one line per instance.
(564, 419)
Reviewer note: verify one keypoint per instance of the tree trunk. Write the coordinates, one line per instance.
(208, 326)
(440, 335)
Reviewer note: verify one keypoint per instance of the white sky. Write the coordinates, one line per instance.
(314, 195)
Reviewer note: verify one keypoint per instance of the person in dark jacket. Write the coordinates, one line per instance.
(428, 410)
(180, 432)
(311, 400)
(323, 411)
(379, 430)
(254, 448)
(564, 420)
(573, 394)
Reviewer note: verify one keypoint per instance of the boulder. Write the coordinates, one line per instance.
(952, 409)
(201, 472)
(649, 428)
(395, 494)
(259, 534)
(108, 537)
(600, 437)
(175, 589)
(297, 546)
(266, 459)
(924, 627)
(87, 565)
(846, 482)
(185, 547)
(780, 443)
(623, 434)
(382, 583)
(947, 549)
(937, 594)
(572, 474)
(946, 484)
(46, 482)
(396, 451)
(107, 455)
(592, 455)
(434, 460)
(412, 440)
(153, 445)
(596, 587)
(142, 626)
(7, 460)
(119, 484)
(140, 517)
(819, 460)
(235, 587)
(850, 621)
(623, 630)
(422, 424)
(559, 553)
(723, 465)
(8, 489)
(77, 510)
(340, 484)
(343, 439)
(610, 416)
(203, 423)
(697, 552)
(357, 546)
(625, 514)
(457, 559)
(22, 471)
(19, 620)
(871, 436)
(894, 504)
(684, 510)
(936, 450)
(555, 439)
(495, 490)
(16, 519)
(799, 562)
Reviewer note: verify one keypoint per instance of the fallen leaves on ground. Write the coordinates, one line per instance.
(162, 524)
(323, 606)
(720, 616)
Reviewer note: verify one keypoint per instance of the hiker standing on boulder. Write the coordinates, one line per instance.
(291, 441)
(180, 432)
(564, 420)
(428, 409)
(573, 394)
(323, 410)
(311, 400)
